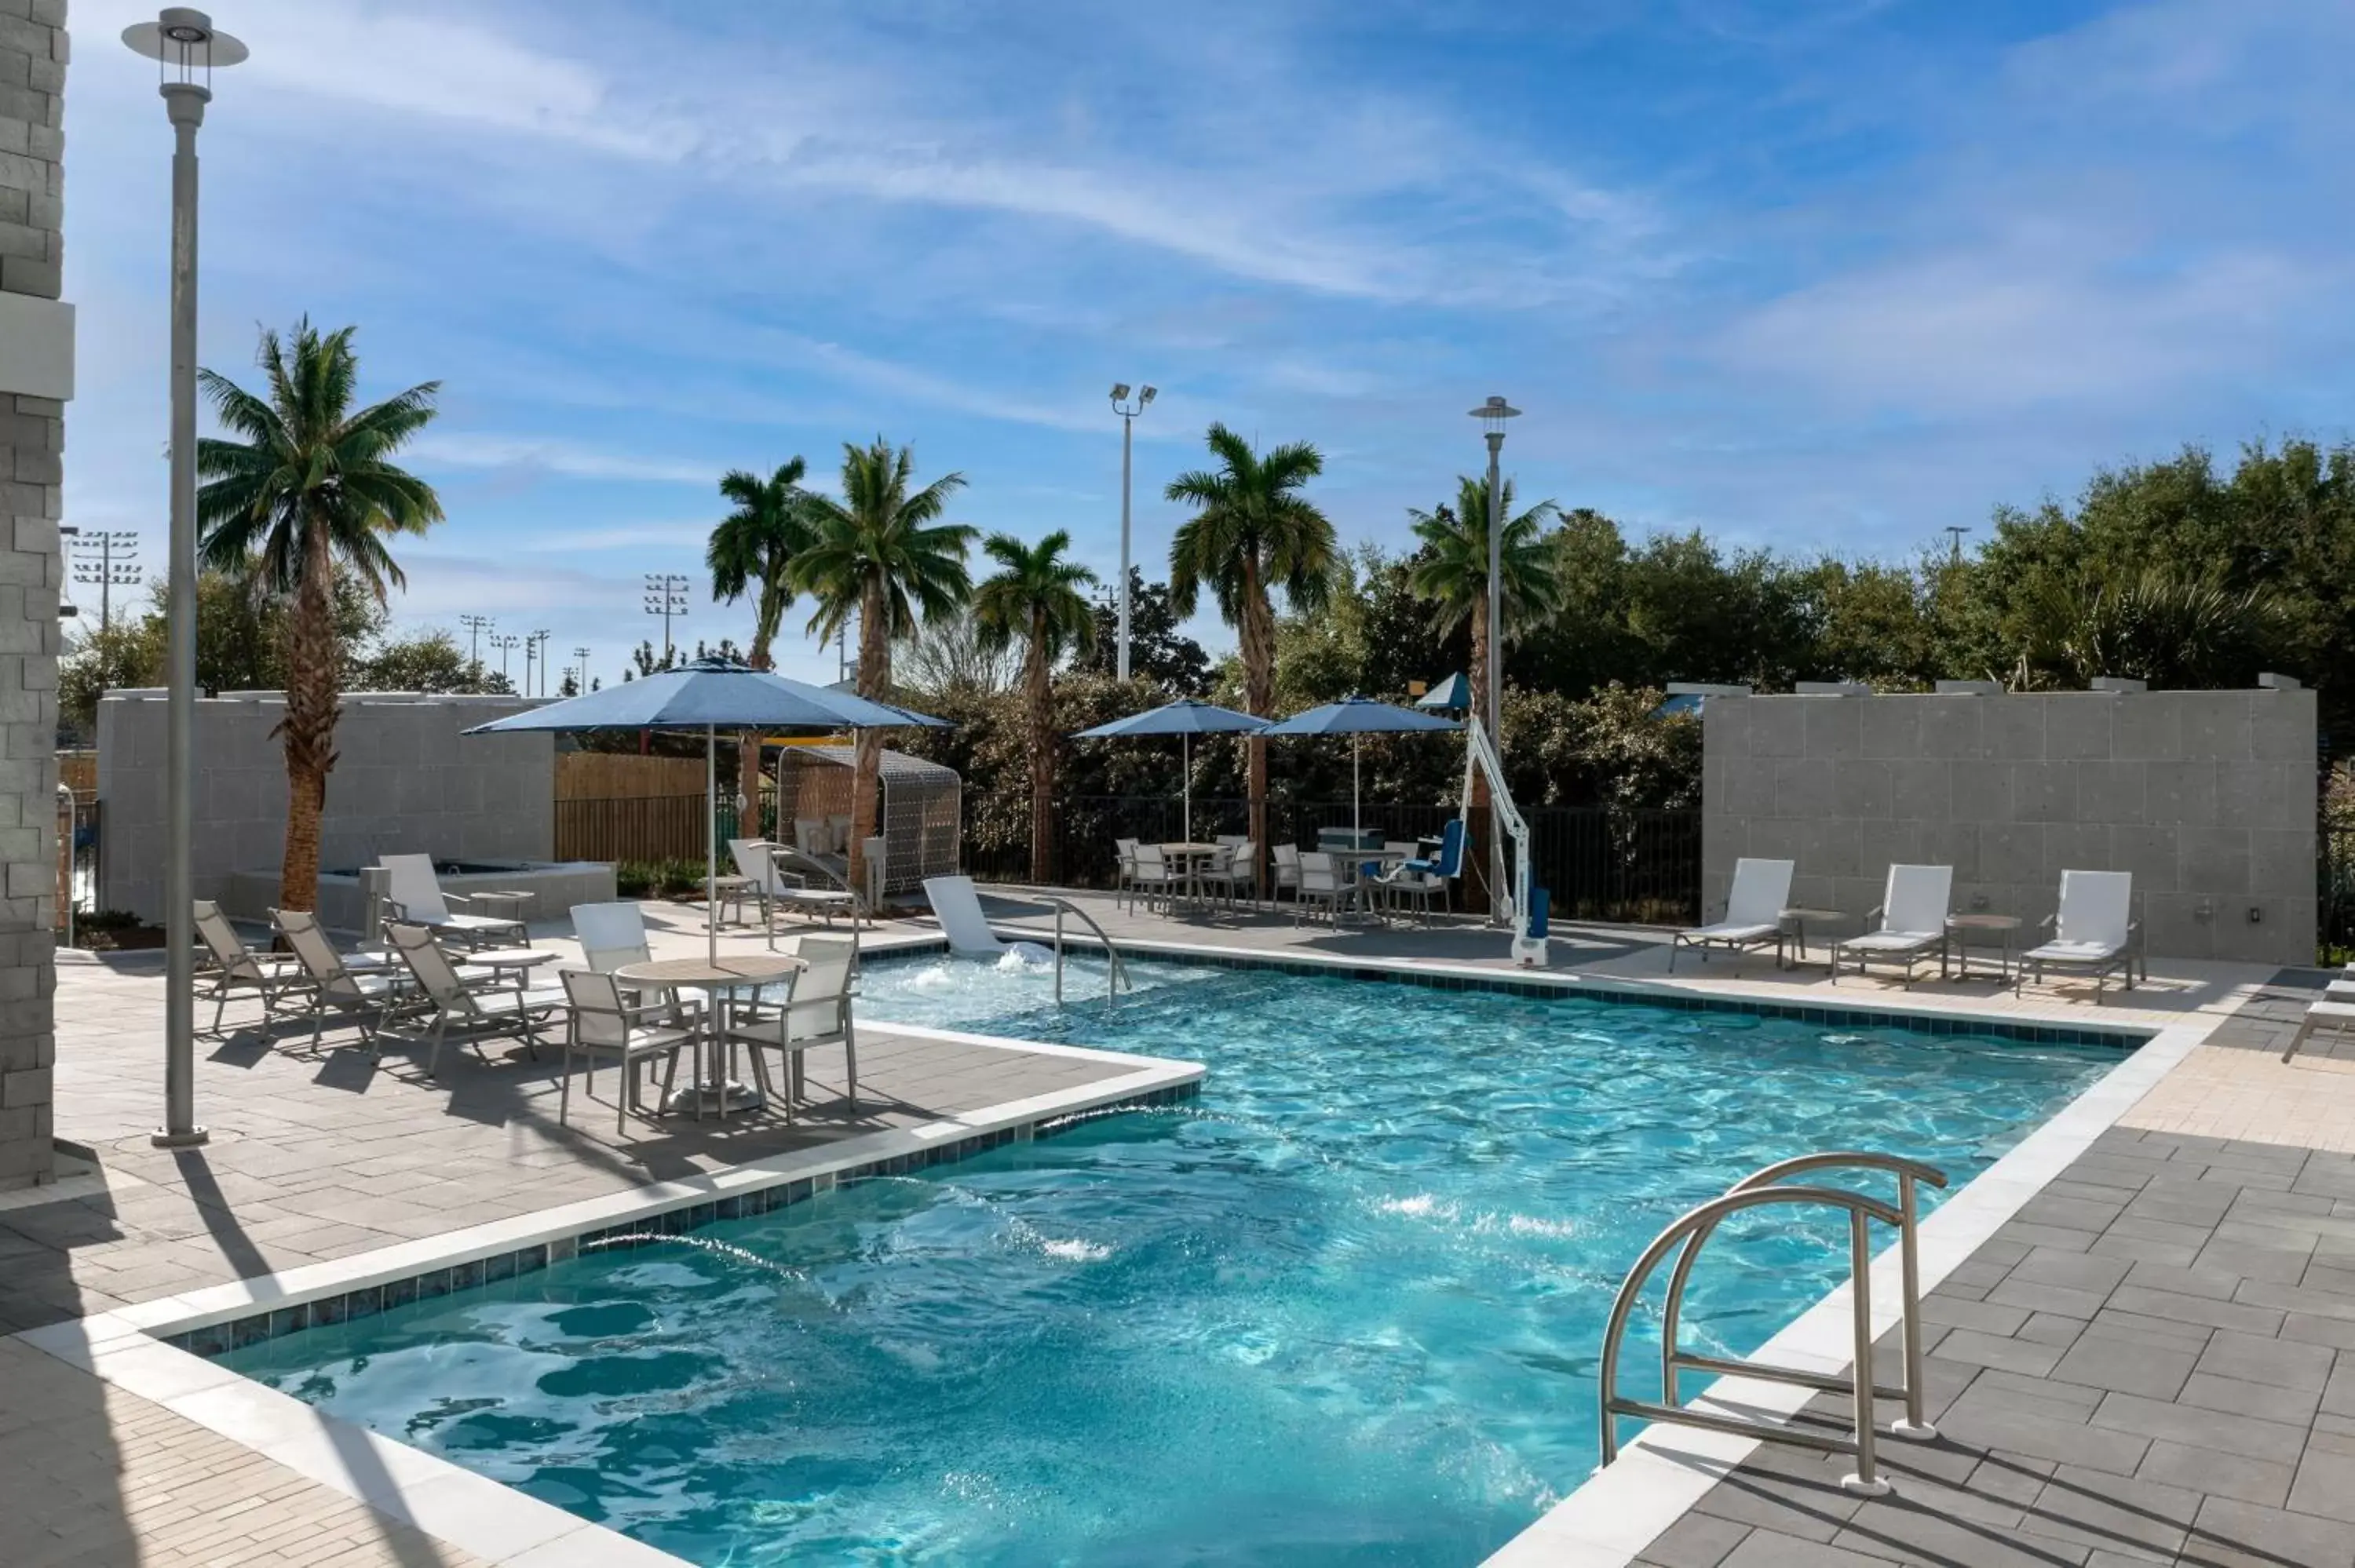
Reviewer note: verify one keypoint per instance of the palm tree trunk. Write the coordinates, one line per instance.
(1042, 756)
(307, 733)
(875, 685)
(1258, 641)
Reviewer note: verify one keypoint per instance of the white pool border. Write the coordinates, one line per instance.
(504, 1526)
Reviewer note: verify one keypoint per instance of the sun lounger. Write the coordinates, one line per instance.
(1754, 912)
(416, 898)
(236, 968)
(2093, 932)
(474, 1014)
(1913, 917)
(958, 909)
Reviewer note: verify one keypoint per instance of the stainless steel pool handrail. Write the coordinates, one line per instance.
(1692, 1230)
(1116, 974)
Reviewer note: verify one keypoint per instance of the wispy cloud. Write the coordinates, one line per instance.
(552, 455)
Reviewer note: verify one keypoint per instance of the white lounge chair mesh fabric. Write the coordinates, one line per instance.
(1915, 904)
(1755, 904)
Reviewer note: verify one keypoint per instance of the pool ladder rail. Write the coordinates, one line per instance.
(1115, 972)
(1762, 1189)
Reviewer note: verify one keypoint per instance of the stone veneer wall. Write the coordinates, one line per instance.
(2208, 798)
(405, 780)
(32, 437)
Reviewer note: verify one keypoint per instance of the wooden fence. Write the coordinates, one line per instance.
(618, 776)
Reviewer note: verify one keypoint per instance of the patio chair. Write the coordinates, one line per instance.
(1123, 871)
(1153, 878)
(475, 1014)
(2092, 932)
(1404, 881)
(599, 1022)
(817, 1012)
(1287, 873)
(237, 967)
(1321, 882)
(1234, 871)
(1913, 917)
(612, 934)
(1754, 912)
(413, 895)
(333, 988)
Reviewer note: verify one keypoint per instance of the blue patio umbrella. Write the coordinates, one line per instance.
(1357, 717)
(1453, 694)
(710, 695)
(1185, 718)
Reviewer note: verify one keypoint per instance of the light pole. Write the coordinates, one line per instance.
(1954, 532)
(110, 558)
(665, 597)
(473, 626)
(1492, 416)
(1127, 434)
(505, 641)
(539, 637)
(186, 50)
(580, 665)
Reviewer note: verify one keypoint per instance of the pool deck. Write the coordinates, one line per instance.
(2140, 1363)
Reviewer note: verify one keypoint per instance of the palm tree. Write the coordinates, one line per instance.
(1036, 599)
(752, 551)
(305, 495)
(882, 554)
(1250, 530)
(1452, 571)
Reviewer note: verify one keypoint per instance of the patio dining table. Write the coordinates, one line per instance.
(713, 1053)
(1188, 862)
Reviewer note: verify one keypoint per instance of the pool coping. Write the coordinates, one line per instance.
(129, 1347)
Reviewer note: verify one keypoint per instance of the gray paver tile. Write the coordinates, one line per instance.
(2066, 1300)
(2232, 1534)
(2201, 1428)
(2040, 1430)
(1772, 1549)
(1695, 1540)
(2217, 1473)
(2285, 1363)
(2130, 1366)
(2249, 1318)
(1974, 1349)
(1955, 1312)
(2078, 1271)
(2096, 1509)
(2267, 1403)
(2326, 1478)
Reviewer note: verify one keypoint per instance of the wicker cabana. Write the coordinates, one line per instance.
(922, 819)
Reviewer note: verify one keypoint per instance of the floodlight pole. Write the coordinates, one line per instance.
(1127, 439)
(184, 46)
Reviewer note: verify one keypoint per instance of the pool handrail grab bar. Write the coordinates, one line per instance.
(968, 928)
(1694, 1225)
(1908, 1254)
(1115, 972)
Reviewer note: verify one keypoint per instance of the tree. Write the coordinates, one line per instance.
(947, 653)
(426, 662)
(1452, 571)
(309, 489)
(1252, 531)
(882, 554)
(752, 552)
(1034, 600)
(1159, 649)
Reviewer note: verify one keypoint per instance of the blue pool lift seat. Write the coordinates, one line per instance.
(1450, 858)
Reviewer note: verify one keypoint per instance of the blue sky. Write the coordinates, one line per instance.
(1823, 274)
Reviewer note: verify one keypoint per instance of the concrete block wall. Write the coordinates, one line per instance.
(405, 780)
(32, 443)
(2208, 798)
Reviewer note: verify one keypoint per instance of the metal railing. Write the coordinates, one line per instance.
(1115, 972)
(1693, 1229)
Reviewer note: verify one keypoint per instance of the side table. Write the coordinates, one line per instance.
(1999, 931)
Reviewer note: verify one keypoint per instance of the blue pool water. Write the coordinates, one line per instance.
(1343, 1310)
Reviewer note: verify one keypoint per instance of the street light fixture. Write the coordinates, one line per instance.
(186, 50)
(539, 638)
(1492, 416)
(1127, 434)
(665, 597)
(110, 558)
(581, 666)
(505, 642)
(473, 626)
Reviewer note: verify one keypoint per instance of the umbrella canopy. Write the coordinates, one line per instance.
(710, 695)
(1356, 716)
(1185, 718)
(1453, 694)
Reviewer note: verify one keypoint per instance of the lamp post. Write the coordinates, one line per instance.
(581, 666)
(110, 558)
(1128, 434)
(1492, 416)
(665, 597)
(186, 50)
(505, 642)
(473, 626)
(538, 639)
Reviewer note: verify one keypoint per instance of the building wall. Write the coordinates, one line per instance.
(405, 780)
(2208, 798)
(32, 439)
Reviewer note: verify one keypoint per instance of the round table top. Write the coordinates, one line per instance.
(1984, 922)
(753, 969)
(508, 957)
(1189, 849)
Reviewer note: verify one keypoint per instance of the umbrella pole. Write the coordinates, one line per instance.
(1356, 790)
(711, 842)
(1185, 766)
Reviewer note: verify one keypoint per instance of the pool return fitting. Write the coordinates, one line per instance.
(1762, 1189)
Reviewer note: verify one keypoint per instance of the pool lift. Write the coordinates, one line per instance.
(1525, 907)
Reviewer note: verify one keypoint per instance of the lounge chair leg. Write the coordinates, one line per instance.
(850, 1063)
(564, 1095)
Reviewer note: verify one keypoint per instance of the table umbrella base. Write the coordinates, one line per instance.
(711, 1095)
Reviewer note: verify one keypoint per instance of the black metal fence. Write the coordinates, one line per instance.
(2335, 882)
(1597, 864)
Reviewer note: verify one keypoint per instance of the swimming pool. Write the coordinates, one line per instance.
(1343, 1309)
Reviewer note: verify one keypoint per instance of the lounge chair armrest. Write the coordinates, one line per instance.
(1877, 912)
(2051, 922)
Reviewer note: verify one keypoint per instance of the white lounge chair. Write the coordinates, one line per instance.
(958, 909)
(600, 1022)
(815, 1012)
(1912, 921)
(781, 876)
(332, 987)
(415, 896)
(475, 1014)
(2092, 932)
(2335, 1012)
(236, 966)
(1754, 912)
